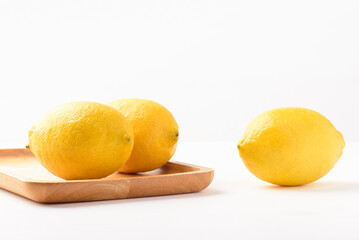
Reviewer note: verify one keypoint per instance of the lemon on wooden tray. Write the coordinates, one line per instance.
(155, 132)
(290, 146)
(82, 140)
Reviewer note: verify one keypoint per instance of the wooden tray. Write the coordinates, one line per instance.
(21, 173)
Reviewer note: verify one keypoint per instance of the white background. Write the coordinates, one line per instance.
(216, 65)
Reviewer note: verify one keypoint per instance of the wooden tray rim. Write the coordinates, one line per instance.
(196, 169)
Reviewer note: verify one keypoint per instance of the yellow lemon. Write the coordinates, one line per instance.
(82, 140)
(290, 146)
(155, 131)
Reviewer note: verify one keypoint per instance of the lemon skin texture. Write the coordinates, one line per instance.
(155, 132)
(82, 140)
(290, 146)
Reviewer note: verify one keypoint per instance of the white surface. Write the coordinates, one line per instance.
(235, 206)
(215, 64)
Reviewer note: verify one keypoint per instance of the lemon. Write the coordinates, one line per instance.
(82, 140)
(290, 146)
(155, 131)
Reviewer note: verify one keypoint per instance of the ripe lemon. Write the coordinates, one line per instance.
(290, 146)
(155, 131)
(82, 140)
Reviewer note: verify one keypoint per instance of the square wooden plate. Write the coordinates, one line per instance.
(22, 174)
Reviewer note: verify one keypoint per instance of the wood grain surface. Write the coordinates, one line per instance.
(22, 174)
